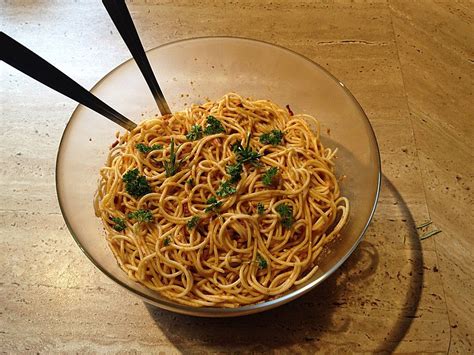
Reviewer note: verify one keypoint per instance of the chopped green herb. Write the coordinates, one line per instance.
(213, 126)
(234, 170)
(268, 178)
(246, 155)
(190, 182)
(195, 133)
(119, 224)
(167, 241)
(286, 214)
(145, 149)
(135, 184)
(430, 234)
(141, 215)
(262, 263)
(172, 166)
(226, 189)
(192, 222)
(273, 137)
(260, 208)
(423, 225)
(213, 203)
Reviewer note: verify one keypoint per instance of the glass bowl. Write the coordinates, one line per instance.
(189, 71)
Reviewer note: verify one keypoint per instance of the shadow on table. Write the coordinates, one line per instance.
(413, 293)
(302, 323)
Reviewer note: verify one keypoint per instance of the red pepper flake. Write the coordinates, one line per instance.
(289, 110)
(240, 105)
(215, 142)
(186, 149)
(114, 144)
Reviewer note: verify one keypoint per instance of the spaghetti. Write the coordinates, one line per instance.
(225, 204)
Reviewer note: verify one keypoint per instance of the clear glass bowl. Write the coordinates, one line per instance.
(190, 71)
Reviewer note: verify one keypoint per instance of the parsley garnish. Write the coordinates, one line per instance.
(213, 203)
(260, 208)
(262, 263)
(273, 137)
(119, 224)
(193, 222)
(234, 170)
(135, 184)
(145, 149)
(246, 155)
(141, 215)
(167, 241)
(213, 126)
(172, 166)
(195, 133)
(286, 214)
(190, 182)
(268, 178)
(226, 189)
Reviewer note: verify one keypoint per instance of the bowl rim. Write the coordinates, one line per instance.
(248, 309)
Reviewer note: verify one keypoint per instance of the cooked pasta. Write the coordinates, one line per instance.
(225, 204)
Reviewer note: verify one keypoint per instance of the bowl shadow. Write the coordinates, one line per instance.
(303, 324)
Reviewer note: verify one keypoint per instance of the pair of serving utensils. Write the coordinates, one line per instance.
(31, 64)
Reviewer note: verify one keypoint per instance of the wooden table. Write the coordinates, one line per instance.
(410, 65)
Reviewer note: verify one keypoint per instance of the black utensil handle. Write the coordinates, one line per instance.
(26, 61)
(120, 15)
